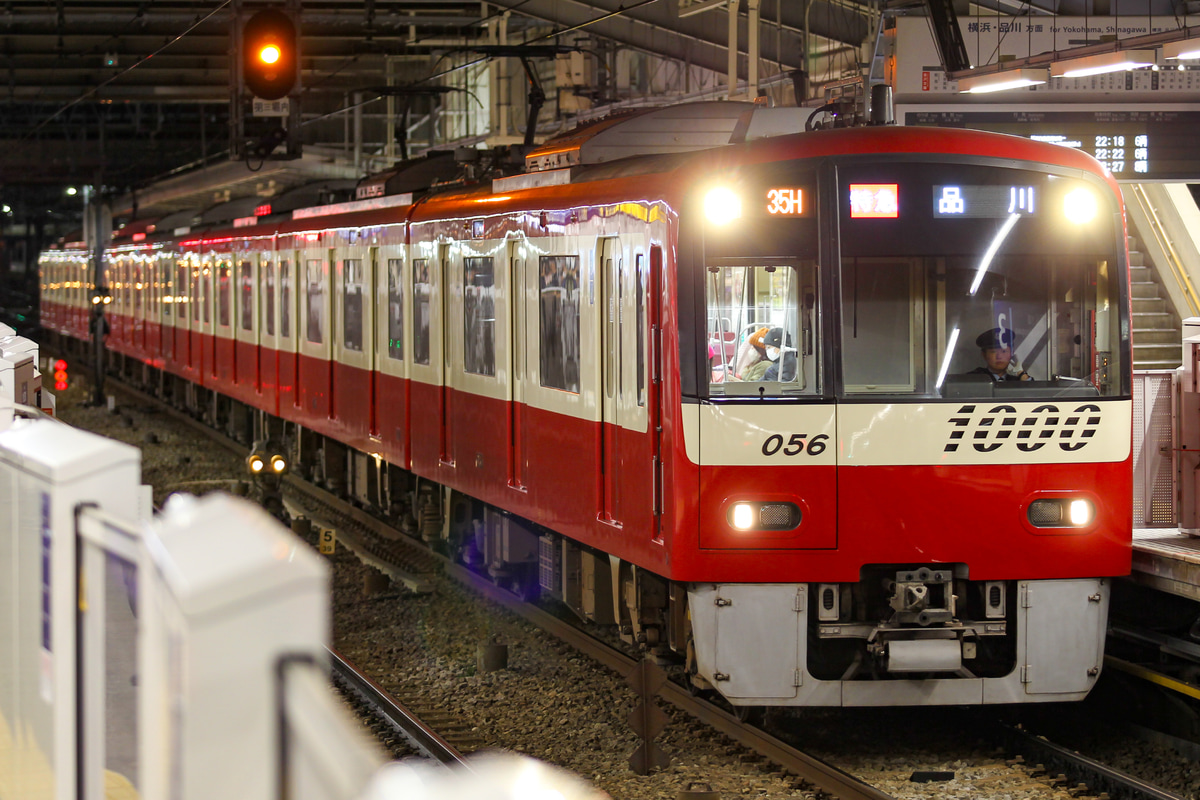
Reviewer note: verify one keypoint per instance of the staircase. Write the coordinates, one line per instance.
(1157, 333)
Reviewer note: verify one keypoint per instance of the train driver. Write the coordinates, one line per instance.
(996, 347)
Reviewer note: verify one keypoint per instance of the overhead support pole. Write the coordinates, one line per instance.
(537, 97)
(733, 49)
(752, 46)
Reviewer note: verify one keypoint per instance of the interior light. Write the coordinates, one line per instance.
(1080, 512)
(1183, 49)
(1101, 63)
(1080, 205)
(1000, 81)
(722, 205)
(743, 516)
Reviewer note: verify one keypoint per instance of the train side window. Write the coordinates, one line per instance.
(421, 288)
(479, 315)
(314, 276)
(224, 293)
(396, 308)
(763, 326)
(559, 300)
(247, 287)
(269, 297)
(352, 304)
(285, 298)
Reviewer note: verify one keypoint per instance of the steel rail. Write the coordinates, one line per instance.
(423, 738)
(824, 776)
(1078, 768)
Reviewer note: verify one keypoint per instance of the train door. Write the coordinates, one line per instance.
(445, 276)
(246, 333)
(137, 340)
(372, 336)
(612, 391)
(314, 337)
(268, 325)
(207, 320)
(289, 323)
(649, 370)
(166, 309)
(518, 348)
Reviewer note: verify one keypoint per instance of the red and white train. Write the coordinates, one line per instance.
(706, 378)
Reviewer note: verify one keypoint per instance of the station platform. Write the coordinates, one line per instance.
(1167, 559)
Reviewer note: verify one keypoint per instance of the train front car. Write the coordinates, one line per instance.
(908, 393)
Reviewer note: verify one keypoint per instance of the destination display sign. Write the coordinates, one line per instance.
(1141, 145)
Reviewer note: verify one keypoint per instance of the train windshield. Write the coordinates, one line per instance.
(762, 327)
(977, 282)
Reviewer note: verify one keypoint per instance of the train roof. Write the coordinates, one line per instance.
(689, 140)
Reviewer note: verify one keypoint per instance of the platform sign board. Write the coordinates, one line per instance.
(1136, 143)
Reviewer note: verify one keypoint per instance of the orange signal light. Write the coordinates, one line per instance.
(269, 54)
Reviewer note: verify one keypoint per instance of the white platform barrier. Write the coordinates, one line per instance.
(47, 471)
(179, 658)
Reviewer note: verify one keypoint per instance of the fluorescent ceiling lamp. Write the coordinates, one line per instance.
(1184, 48)
(1098, 64)
(999, 81)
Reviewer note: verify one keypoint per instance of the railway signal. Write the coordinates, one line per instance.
(60, 375)
(270, 54)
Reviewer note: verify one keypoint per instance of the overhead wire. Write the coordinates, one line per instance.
(124, 72)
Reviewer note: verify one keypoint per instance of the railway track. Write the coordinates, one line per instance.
(1079, 775)
(410, 563)
(397, 727)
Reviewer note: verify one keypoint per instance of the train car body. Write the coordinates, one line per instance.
(728, 398)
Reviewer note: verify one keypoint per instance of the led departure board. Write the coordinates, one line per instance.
(1141, 145)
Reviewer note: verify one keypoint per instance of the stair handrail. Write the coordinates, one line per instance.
(1158, 231)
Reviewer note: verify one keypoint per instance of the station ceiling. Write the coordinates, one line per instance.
(123, 93)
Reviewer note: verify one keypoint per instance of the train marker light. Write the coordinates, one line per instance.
(722, 205)
(743, 516)
(1080, 206)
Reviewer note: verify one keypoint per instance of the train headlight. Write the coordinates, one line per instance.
(256, 463)
(1080, 512)
(279, 464)
(1061, 512)
(764, 516)
(1080, 205)
(722, 205)
(742, 516)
